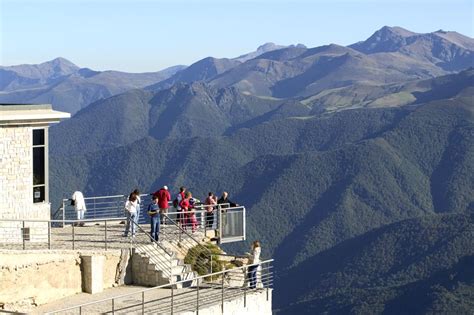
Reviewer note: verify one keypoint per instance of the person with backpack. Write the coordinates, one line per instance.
(131, 206)
(77, 200)
(164, 197)
(176, 205)
(154, 211)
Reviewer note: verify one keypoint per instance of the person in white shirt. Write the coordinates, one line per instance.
(79, 205)
(254, 260)
(131, 207)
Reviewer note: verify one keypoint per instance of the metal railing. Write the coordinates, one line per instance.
(42, 234)
(196, 253)
(159, 255)
(165, 299)
(229, 222)
(103, 234)
(97, 207)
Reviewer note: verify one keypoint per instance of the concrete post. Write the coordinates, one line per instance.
(93, 273)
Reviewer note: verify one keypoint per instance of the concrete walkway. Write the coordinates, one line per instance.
(157, 301)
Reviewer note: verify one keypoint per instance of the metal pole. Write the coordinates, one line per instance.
(204, 219)
(49, 234)
(172, 299)
(73, 236)
(244, 224)
(143, 302)
(113, 306)
(197, 298)
(80, 310)
(23, 234)
(64, 213)
(220, 224)
(245, 297)
(105, 225)
(211, 262)
(222, 294)
(171, 269)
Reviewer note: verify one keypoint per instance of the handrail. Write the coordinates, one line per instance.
(181, 230)
(166, 267)
(27, 239)
(69, 221)
(158, 287)
(98, 197)
(151, 238)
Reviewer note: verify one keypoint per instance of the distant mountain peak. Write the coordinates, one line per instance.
(400, 31)
(62, 63)
(268, 46)
(260, 51)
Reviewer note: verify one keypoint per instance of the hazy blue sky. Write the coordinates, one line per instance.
(150, 35)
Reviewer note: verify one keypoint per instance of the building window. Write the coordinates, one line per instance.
(39, 168)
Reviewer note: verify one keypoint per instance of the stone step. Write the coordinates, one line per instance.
(190, 276)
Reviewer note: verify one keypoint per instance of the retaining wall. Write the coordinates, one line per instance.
(31, 278)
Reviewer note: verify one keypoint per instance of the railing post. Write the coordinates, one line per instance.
(245, 297)
(211, 262)
(49, 234)
(105, 226)
(219, 221)
(222, 294)
(64, 213)
(197, 298)
(23, 234)
(172, 299)
(73, 236)
(143, 302)
(244, 232)
(94, 208)
(171, 269)
(113, 306)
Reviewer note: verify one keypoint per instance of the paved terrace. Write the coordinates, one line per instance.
(92, 236)
(156, 301)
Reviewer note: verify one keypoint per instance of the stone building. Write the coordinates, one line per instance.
(24, 163)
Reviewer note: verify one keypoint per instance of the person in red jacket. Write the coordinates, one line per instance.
(163, 199)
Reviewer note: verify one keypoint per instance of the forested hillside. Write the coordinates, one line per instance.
(362, 190)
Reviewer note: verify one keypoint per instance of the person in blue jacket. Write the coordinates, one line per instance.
(154, 213)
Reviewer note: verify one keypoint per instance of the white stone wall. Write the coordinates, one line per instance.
(29, 278)
(16, 185)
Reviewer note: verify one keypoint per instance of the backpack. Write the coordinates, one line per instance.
(175, 202)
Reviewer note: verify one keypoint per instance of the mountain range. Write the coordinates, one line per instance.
(70, 88)
(355, 164)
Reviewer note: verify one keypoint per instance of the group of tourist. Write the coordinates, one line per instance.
(185, 206)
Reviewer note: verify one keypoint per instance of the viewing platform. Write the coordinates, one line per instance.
(185, 272)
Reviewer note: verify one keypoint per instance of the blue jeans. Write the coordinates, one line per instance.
(252, 274)
(130, 226)
(155, 227)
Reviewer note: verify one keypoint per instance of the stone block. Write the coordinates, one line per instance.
(93, 273)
